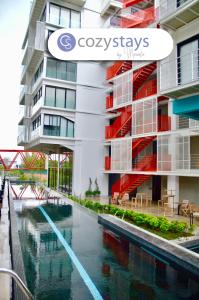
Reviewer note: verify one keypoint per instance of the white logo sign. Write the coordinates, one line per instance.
(110, 44)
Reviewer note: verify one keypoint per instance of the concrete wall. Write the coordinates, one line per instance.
(189, 189)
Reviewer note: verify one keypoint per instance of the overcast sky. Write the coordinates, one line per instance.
(13, 23)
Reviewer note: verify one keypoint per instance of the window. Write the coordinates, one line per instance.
(180, 2)
(37, 96)
(188, 60)
(60, 97)
(61, 70)
(64, 17)
(38, 72)
(50, 97)
(36, 123)
(58, 126)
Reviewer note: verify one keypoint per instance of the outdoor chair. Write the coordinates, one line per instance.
(185, 208)
(124, 200)
(164, 201)
(115, 198)
(194, 210)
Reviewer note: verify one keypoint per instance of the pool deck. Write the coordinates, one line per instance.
(5, 255)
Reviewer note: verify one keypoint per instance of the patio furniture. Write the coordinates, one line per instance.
(115, 198)
(123, 201)
(194, 212)
(184, 208)
(163, 201)
(140, 198)
(133, 202)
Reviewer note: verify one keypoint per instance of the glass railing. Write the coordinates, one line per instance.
(179, 71)
(168, 7)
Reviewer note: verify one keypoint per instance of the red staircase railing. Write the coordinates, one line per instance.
(127, 3)
(164, 123)
(129, 182)
(138, 145)
(118, 68)
(148, 89)
(109, 101)
(147, 163)
(141, 75)
(139, 19)
(121, 125)
(107, 163)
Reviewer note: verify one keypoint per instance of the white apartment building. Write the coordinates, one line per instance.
(62, 103)
(151, 110)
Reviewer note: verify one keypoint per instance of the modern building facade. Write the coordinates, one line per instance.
(150, 113)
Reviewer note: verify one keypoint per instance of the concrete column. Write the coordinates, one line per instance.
(58, 167)
(173, 189)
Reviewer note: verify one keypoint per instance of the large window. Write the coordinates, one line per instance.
(61, 70)
(38, 72)
(58, 126)
(64, 17)
(37, 96)
(59, 97)
(188, 60)
(36, 123)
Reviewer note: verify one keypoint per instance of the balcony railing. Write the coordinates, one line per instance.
(140, 18)
(179, 71)
(109, 101)
(164, 123)
(185, 123)
(146, 163)
(168, 7)
(107, 163)
(148, 89)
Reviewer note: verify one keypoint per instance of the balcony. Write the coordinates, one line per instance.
(110, 7)
(24, 113)
(23, 94)
(164, 123)
(107, 162)
(34, 53)
(179, 76)
(109, 102)
(36, 133)
(22, 138)
(139, 19)
(175, 14)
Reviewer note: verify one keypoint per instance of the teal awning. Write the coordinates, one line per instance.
(187, 107)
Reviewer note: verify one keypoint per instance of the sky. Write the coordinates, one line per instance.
(13, 23)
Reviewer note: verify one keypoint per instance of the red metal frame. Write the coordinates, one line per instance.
(139, 19)
(107, 163)
(117, 68)
(27, 165)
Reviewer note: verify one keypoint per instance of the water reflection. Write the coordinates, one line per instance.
(119, 269)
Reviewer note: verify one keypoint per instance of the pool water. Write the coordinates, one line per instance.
(119, 269)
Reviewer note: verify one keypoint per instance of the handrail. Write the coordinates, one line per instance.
(19, 282)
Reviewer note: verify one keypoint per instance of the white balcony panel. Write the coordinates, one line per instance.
(109, 7)
(144, 116)
(122, 90)
(179, 75)
(36, 133)
(121, 155)
(176, 14)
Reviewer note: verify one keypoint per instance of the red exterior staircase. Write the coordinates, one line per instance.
(121, 126)
(138, 145)
(147, 89)
(141, 75)
(118, 68)
(139, 19)
(127, 3)
(146, 163)
(128, 183)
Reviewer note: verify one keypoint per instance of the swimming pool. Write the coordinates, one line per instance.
(118, 269)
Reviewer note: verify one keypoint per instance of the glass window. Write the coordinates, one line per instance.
(65, 18)
(51, 68)
(70, 99)
(63, 127)
(71, 71)
(70, 132)
(75, 19)
(54, 14)
(60, 98)
(61, 70)
(50, 96)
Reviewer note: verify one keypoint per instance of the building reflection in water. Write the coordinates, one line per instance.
(143, 276)
(47, 265)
